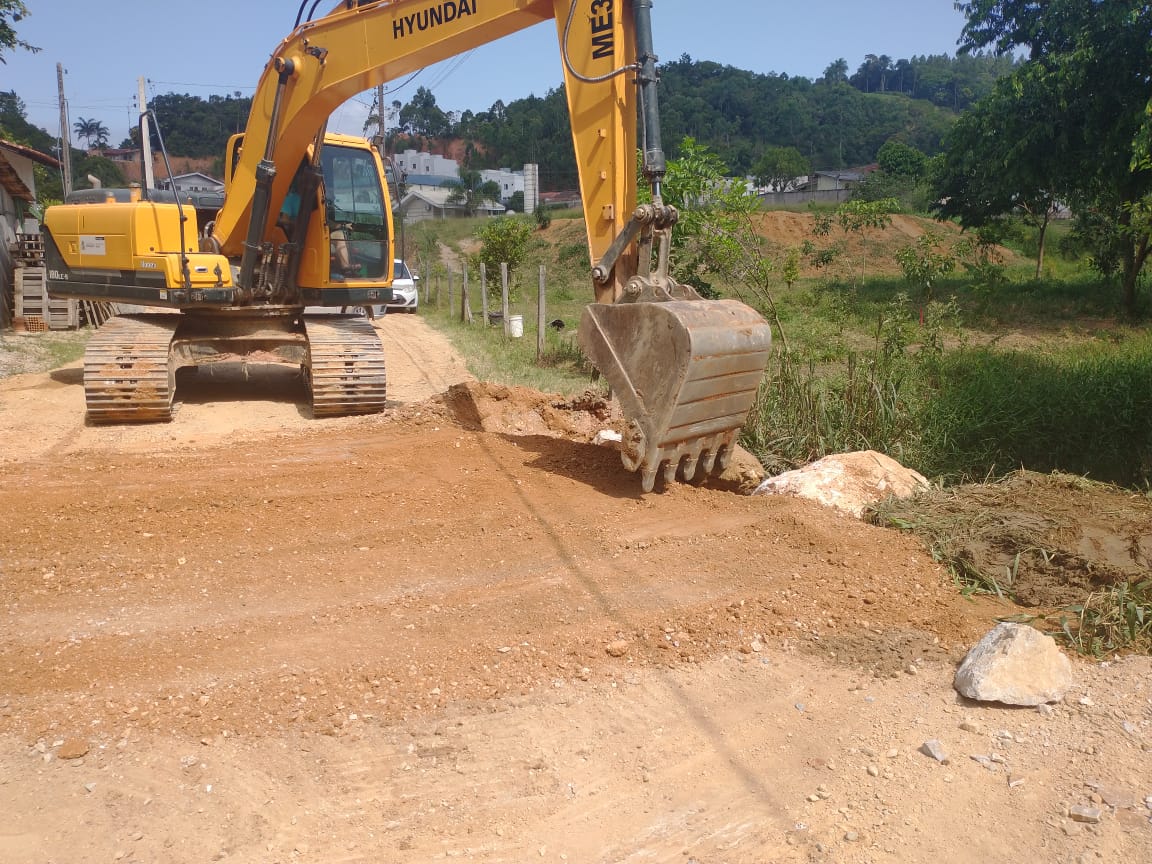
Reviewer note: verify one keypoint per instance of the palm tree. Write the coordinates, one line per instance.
(91, 129)
(85, 129)
(101, 134)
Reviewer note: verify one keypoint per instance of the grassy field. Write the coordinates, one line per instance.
(997, 370)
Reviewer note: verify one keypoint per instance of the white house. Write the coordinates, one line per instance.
(430, 203)
(413, 162)
(196, 182)
(17, 194)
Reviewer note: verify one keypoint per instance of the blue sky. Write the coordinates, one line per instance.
(212, 46)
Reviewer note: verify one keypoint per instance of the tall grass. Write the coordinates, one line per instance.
(1085, 411)
(965, 413)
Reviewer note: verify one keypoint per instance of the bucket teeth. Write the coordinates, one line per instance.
(709, 460)
(689, 463)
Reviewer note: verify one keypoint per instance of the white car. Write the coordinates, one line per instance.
(405, 290)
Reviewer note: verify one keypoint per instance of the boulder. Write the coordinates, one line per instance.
(1014, 664)
(847, 482)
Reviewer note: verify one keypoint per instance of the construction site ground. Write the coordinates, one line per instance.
(249, 636)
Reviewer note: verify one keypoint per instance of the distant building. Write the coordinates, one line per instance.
(561, 200)
(824, 187)
(196, 182)
(427, 202)
(424, 170)
(414, 164)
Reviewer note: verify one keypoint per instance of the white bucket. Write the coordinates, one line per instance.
(515, 326)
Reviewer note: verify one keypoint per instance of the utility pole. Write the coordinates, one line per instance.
(380, 118)
(65, 131)
(145, 135)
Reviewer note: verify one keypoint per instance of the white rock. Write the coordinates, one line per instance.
(607, 436)
(1080, 813)
(847, 482)
(1016, 665)
(934, 749)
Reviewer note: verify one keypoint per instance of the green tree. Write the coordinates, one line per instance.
(859, 216)
(901, 160)
(87, 129)
(780, 168)
(924, 262)
(836, 71)
(502, 241)
(12, 12)
(715, 235)
(471, 191)
(1004, 157)
(1091, 60)
(423, 118)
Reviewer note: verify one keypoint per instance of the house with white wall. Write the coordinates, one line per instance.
(17, 195)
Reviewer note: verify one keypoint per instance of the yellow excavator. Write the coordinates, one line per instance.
(306, 221)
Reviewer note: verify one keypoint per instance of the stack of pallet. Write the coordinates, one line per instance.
(36, 308)
(30, 250)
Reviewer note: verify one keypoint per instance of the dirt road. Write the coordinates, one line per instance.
(249, 636)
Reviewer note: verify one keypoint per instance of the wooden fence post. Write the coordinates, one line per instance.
(540, 319)
(465, 303)
(484, 293)
(504, 293)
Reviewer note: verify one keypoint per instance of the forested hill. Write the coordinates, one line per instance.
(839, 120)
(836, 121)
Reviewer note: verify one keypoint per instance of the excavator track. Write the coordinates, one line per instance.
(129, 375)
(346, 362)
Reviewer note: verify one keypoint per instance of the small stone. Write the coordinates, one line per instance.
(935, 749)
(851, 836)
(617, 649)
(1071, 828)
(972, 726)
(73, 748)
(89, 787)
(873, 771)
(1114, 797)
(1080, 813)
(893, 753)
(757, 646)
(911, 669)
(1046, 710)
(813, 797)
(1015, 780)
(986, 761)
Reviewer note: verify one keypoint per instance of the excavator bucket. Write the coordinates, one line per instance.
(685, 372)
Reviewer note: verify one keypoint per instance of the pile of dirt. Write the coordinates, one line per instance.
(1047, 541)
(482, 405)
